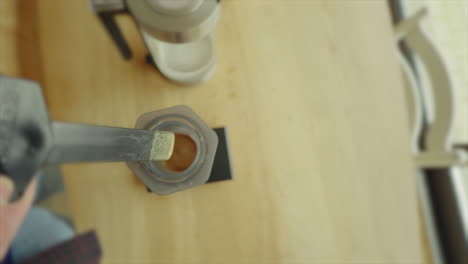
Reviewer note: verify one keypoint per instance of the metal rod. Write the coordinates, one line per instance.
(447, 198)
(106, 10)
(82, 143)
(108, 20)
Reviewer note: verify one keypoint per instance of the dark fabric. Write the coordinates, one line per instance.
(83, 249)
(8, 259)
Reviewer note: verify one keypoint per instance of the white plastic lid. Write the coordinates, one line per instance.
(175, 7)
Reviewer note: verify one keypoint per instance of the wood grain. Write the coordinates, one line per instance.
(313, 99)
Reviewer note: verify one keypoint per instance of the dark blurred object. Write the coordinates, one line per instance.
(83, 249)
(222, 167)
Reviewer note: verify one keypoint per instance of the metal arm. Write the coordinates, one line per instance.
(106, 11)
(82, 143)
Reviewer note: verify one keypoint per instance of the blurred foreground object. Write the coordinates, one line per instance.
(443, 187)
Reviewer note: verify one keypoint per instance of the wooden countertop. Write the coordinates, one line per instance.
(312, 96)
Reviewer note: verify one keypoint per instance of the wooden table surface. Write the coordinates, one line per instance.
(312, 96)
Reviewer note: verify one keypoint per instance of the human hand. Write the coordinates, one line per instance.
(12, 214)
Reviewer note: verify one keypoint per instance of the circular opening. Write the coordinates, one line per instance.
(188, 154)
(184, 154)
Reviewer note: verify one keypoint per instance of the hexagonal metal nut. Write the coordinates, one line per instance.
(180, 120)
